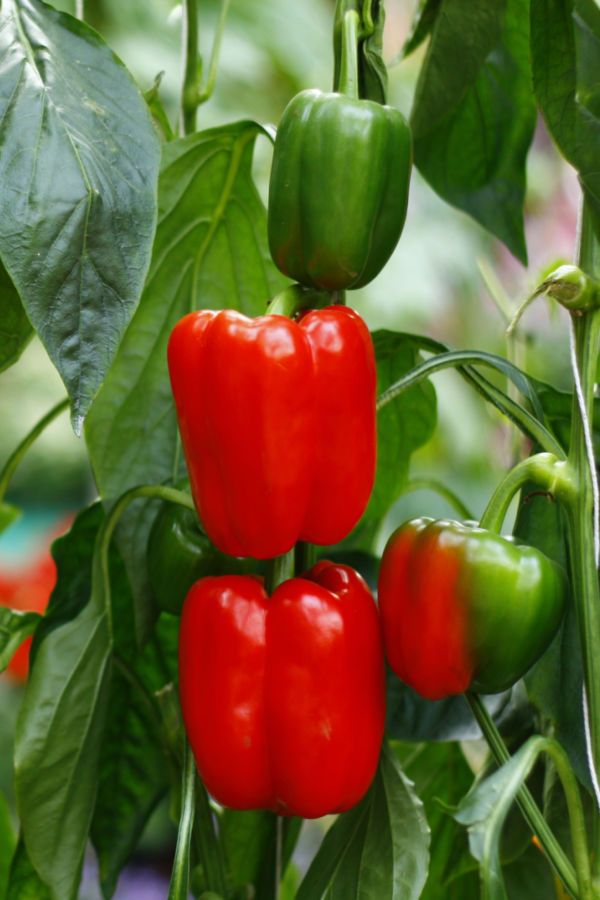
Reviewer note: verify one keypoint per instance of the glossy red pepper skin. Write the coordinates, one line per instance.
(283, 697)
(277, 419)
(465, 609)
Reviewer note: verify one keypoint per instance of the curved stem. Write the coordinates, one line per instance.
(531, 811)
(349, 62)
(189, 88)
(180, 876)
(206, 92)
(17, 455)
(460, 360)
(431, 484)
(544, 469)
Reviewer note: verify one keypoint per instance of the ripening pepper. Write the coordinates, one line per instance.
(179, 553)
(465, 609)
(277, 420)
(338, 190)
(283, 698)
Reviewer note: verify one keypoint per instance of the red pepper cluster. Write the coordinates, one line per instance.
(283, 696)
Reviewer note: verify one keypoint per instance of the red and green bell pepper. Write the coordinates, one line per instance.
(465, 609)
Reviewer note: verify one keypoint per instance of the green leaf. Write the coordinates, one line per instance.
(134, 774)
(15, 627)
(210, 251)
(24, 882)
(7, 845)
(15, 327)
(378, 849)
(402, 426)
(250, 843)
(158, 111)
(474, 114)
(61, 721)
(422, 24)
(411, 718)
(8, 515)
(78, 165)
(565, 52)
(484, 811)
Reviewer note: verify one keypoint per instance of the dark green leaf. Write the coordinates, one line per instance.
(442, 778)
(15, 627)
(24, 882)
(530, 876)
(565, 50)
(78, 165)
(402, 426)
(474, 114)
(378, 849)
(61, 722)
(410, 718)
(249, 843)
(15, 327)
(134, 768)
(210, 251)
(484, 811)
(423, 22)
(7, 845)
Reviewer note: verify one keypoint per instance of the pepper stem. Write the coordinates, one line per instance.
(279, 569)
(544, 469)
(527, 804)
(295, 298)
(348, 84)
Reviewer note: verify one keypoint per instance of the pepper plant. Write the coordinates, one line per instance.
(213, 635)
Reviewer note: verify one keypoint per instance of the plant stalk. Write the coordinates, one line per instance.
(544, 469)
(582, 515)
(17, 455)
(349, 61)
(531, 811)
(189, 89)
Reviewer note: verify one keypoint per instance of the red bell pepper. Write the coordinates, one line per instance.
(283, 698)
(277, 419)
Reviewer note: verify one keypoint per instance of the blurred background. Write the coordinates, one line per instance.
(447, 279)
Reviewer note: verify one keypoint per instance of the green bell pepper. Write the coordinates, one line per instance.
(339, 183)
(179, 553)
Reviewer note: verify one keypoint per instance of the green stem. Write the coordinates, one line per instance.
(189, 89)
(431, 484)
(278, 854)
(349, 63)
(180, 876)
(15, 458)
(544, 469)
(279, 569)
(462, 360)
(207, 845)
(582, 515)
(80, 10)
(295, 298)
(306, 556)
(206, 92)
(531, 812)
